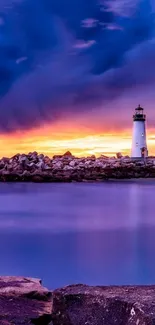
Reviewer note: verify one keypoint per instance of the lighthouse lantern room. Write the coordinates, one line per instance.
(139, 144)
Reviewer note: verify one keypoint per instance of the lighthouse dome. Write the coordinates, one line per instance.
(139, 114)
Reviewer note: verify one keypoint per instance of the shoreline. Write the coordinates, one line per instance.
(35, 167)
(132, 179)
(25, 301)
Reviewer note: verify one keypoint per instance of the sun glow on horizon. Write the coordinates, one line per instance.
(79, 140)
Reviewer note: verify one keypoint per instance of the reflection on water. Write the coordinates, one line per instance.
(79, 233)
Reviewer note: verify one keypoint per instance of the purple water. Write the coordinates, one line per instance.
(101, 233)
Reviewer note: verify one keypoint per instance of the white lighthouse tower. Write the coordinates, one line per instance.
(139, 144)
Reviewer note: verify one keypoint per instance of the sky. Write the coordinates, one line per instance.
(72, 73)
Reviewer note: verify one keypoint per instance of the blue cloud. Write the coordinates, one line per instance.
(51, 62)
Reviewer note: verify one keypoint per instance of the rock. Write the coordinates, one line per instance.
(58, 165)
(2, 164)
(81, 164)
(34, 153)
(47, 160)
(26, 174)
(57, 157)
(40, 165)
(139, 163)
(9, 168)
(117, 164)
(5, 160)
(24, 301)
(98, 164)
(72, 163)
(92, 157)
(15, 157)
(37, 178)
(119, 155)
(47, 167)
(126, 157)
(81, 305)
(67, 167)
(41, 156)
(68, 154)
(22, 158)
(33, 156)
(104, 157)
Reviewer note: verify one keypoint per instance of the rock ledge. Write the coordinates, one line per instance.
(23, 301)
(84, 305)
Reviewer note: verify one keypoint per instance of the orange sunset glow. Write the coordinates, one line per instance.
(57, 139)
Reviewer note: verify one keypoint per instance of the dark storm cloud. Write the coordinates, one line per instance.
(59, 56)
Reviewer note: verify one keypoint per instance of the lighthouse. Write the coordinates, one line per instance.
(139, 144)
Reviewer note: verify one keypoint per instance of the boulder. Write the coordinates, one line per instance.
(98, 164)
(92, 157)
(33, 156)
(57, 164)
(47, 167)
(24, 301)
(126, 157)
(84, 305)
(81, 164)
(67, 167)
(119, 155)
(73, 163)
(22, 158)
(34, 153)
(2, 164)
(40, 165)
(68, 154)
(104, 157)
(15, 157)
(5, 160)
(40, 156)
(37, 178)
(26, 175)
(57, 157)
(47, 160)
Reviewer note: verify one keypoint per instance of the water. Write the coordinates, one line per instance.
(99, 233)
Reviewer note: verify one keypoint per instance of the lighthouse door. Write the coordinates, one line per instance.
(143, 152)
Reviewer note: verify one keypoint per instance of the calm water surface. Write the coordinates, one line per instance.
(79, 233)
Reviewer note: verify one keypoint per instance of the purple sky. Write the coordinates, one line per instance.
(62, 58)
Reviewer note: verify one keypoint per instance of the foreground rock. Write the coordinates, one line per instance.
(24, 301)
(83, 305)
(35, 167)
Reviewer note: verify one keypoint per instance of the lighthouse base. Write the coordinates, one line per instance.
(139, 158)
(143, 153)
(139, 145)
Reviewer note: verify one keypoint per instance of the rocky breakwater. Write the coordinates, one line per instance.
(23, 301)
(36, 167)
